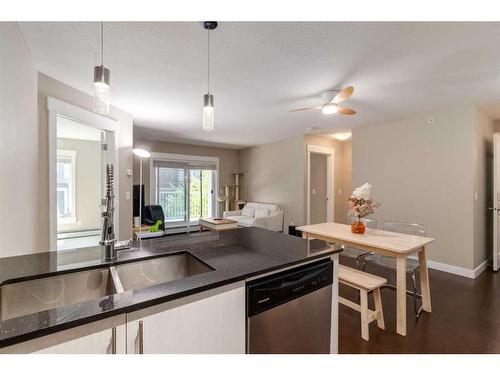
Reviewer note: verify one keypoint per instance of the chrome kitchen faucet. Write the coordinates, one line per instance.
(108, 238)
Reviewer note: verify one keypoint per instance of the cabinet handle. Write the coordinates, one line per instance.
(141, 337)
(113, 340)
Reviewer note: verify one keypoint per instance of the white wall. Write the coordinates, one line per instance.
(18, 144)
(425, 173)
(88, 183)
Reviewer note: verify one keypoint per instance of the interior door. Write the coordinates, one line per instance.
(496, 201)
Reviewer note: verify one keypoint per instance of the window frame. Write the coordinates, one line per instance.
(156, 156)
(72, 155)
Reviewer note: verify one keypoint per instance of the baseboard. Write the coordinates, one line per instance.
(460, 271)
(480, 269)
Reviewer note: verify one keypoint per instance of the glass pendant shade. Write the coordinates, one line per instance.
(208, 112)
(101, 89)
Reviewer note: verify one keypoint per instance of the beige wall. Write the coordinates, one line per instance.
(424, 173)
(48, 86)
(18, 145)
(318, 193)
(274, 173)
(88, 183)
(228, 161)
(342, 171)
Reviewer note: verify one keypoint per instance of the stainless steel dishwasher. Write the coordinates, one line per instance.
(290, 312)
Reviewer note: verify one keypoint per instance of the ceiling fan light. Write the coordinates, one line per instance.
(329, 109)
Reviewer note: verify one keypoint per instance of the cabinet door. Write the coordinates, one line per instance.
(211, 322)
(93, 338)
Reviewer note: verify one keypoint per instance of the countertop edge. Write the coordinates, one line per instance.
(23, 337)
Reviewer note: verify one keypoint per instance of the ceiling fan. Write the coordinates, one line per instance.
(331, 98)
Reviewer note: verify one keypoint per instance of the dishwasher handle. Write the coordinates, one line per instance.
(291, 281)
(274, 290)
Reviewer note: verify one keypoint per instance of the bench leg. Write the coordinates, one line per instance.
(378, 308)
(363, 294)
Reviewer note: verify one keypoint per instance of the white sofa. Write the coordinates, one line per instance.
(263, 215)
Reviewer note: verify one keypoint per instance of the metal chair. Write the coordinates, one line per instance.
(387, 262)
(351, 252)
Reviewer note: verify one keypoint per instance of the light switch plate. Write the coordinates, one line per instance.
(127, 195)
(129, 172)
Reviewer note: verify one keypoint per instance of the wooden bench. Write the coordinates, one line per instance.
(364, 283)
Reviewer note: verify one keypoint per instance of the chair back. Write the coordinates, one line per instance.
(369, 222)
(406, 228)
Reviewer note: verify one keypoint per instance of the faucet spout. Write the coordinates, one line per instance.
(108, 238)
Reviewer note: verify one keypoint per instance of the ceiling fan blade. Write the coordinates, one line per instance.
(345, 111)
(344, 94)
(304, 109)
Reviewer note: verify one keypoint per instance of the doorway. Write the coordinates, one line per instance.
(79, 166)
(81, 143)
(319, 184)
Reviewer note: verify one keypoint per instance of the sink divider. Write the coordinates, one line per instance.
(116, 279)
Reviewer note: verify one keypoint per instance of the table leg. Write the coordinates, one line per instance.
(424, 281)
(401, 295)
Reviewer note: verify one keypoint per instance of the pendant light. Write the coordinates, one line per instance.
(208, 99)
(101, 82)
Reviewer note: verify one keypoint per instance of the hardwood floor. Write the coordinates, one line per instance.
(465, 318)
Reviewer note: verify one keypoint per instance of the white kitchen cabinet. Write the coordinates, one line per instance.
(101, 337)
(208, 322)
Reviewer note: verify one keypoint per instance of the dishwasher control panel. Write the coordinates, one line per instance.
(274, 290)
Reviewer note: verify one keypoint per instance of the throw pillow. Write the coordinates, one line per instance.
(261, 212)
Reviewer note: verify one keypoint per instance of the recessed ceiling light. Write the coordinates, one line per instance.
(342, 136)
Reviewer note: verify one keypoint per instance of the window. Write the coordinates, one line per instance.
(185, 189)
(66, 207)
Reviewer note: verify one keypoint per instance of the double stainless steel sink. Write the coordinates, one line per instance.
(31, 296)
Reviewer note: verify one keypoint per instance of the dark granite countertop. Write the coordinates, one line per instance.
(235, 255)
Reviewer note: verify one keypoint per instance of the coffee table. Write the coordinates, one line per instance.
(217, 224)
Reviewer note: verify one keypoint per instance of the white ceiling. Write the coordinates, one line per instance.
(261, 70)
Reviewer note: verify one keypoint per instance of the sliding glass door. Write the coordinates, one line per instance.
(201, 192)
(186, 191)
(171, 193)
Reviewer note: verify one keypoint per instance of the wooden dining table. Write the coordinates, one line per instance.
(393, 244)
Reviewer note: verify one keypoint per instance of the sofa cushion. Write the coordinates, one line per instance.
(248, 212)
(244, 221)
(261, 212)
(270, 206)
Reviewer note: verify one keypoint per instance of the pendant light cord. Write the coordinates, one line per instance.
(208, 61)
(102, 43)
